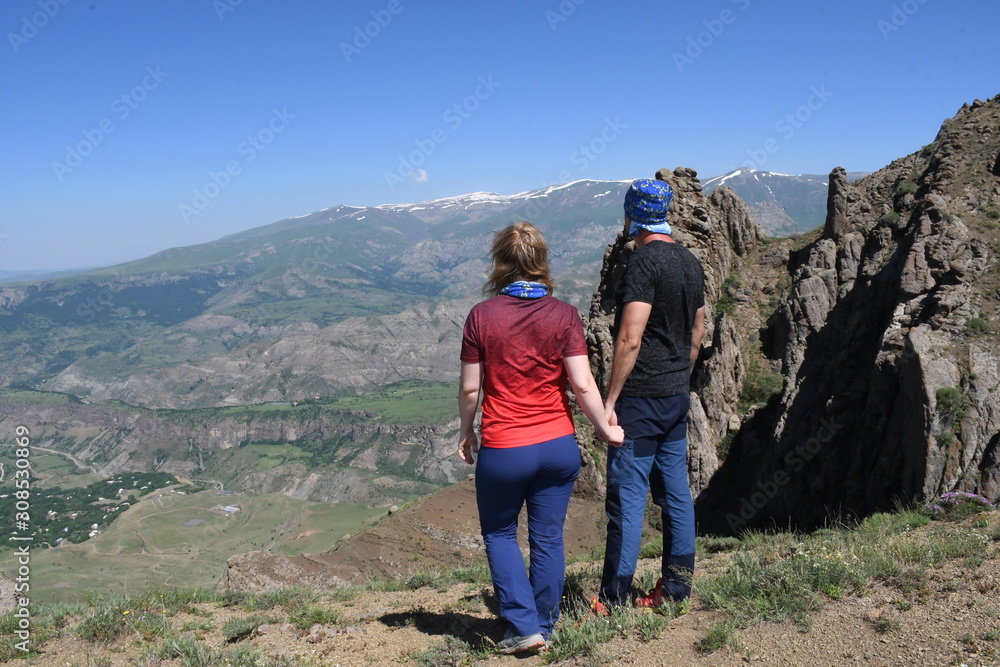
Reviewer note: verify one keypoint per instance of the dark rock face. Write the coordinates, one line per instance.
(886, 346)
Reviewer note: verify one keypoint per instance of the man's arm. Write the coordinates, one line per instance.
(635, 315)
(697, 333)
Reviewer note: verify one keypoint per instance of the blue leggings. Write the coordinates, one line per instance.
(542, 477)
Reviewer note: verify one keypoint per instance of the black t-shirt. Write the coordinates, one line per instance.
(670, 278)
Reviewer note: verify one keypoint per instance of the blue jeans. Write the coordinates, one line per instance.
(542, 477)
(652, 458)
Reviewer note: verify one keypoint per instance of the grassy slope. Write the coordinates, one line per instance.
(930, 585)
(149, 545)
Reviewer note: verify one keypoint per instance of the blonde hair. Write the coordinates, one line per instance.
(519, 252)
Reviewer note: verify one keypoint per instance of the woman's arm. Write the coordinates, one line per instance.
(468, 401)
(589, 398)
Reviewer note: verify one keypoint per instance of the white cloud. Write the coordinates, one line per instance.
(419, 176)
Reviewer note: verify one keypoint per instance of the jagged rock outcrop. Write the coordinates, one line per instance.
(887, 346)
(719, 230)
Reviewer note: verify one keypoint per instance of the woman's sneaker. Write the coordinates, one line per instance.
(515, 644)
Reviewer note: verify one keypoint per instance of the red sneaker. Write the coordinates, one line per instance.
(598, 607)
(655, 599)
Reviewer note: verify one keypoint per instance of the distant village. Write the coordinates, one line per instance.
(61, 515)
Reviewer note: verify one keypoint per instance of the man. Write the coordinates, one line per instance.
(659, 324)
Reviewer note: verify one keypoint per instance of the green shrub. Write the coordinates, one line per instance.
(240, 628)
(977, 325)
(582, 633)
(435, 580)
(726, 444)
(906, 188)
(759, 385)
(192, 653)
(309, 617)
(108, 624)
(726, 304)
(477, 574)
(884, 624)
(178, 599)
(719, 634)
(247, 656)
(9, 650)
(991, 212)
(188, 650)
(105, 625)
(889, 218)
(945, 440)
(652, 549)
(286, 598)
(950, 404)
(650, 626)
(719, 544)
(447, 652)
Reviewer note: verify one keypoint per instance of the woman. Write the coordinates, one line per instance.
(520, 347)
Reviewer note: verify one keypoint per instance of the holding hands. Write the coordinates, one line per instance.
(615, 432)
(615, 435)
(611, 434)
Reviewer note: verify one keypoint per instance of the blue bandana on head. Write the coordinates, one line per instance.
(646, 204)
(524, 289)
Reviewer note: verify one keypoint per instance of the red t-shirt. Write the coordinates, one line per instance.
(521, 344)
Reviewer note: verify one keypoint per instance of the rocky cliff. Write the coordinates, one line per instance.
(887, 347)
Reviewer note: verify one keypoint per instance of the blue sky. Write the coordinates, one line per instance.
(131, 126)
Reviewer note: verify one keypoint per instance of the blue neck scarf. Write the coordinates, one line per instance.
(523, 289)
(635, 228)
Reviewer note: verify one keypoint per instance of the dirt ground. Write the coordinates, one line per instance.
(956, 622)
(955, 619)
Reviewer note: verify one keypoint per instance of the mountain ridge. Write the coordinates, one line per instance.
(782, 204)
(182, 307)
(517, 201)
